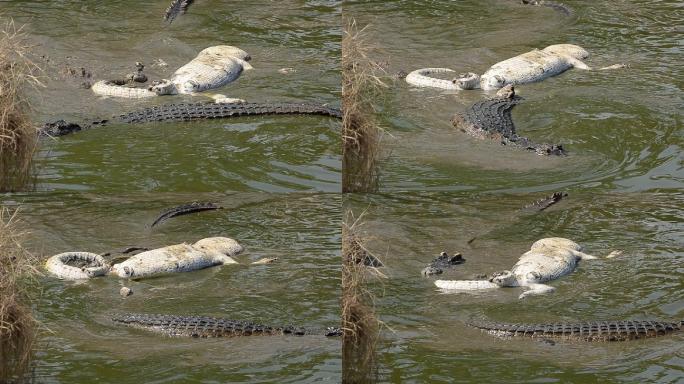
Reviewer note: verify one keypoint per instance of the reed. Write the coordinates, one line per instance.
(18, 328)
(18, 135)
(360, 324)
(361, 134)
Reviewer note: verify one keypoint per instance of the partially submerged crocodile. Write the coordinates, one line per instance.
(77, 265)
(491, 119)
(547, 259)
(202, 326)
(177, 7)
(212, 68)
(529, 67)
(184, 210)
(545, 202)
(620, 330)
(194, 111)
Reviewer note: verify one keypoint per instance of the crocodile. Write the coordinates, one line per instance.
(619, 330)
(177, 7)
(547, 259)
(491, 119)
(529, 67)
(443, 261)
(193, 111)
(204, 327)
(184, 210)
(212, 68)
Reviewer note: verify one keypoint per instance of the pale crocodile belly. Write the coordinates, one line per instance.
(528, 67)
(584, 331)
(206, 73)
(546, 266)
(202, 326)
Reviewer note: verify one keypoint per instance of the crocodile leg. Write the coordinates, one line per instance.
(585, 256)
(537, 289)
(579, 64)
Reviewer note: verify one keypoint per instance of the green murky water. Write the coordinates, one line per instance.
(271, 154)
(624, 173)
(98, 190)
(622, 128)
(301, 288)
(427, 339)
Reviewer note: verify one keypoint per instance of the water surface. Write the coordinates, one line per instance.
(272, 154)
(426, 338)
(622, 128)
(80, 343)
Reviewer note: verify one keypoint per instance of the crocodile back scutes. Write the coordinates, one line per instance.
(193, 111)
(620, 330)
(204, 326)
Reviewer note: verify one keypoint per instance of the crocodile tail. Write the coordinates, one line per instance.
(177, 7)
(465, 285)
(66, 265)
(111, 88)
(421, 78)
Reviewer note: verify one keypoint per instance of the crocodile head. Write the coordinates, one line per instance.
(163, 87)
(549, 150)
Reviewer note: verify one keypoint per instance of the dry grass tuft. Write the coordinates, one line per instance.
(361, 326)
(360, 132)
(17, 326)
(18, 135)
